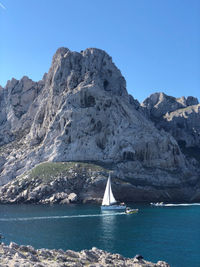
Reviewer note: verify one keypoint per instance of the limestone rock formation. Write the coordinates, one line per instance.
(16, 255)
(86, 114)
(81, 111)
(158, 104)
(178, 116)
(18, 105)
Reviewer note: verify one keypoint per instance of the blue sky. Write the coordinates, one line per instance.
(155, 43)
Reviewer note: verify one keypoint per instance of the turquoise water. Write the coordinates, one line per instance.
(158, 233)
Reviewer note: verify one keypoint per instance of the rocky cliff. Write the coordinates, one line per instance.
(81, 111)
(178, 116)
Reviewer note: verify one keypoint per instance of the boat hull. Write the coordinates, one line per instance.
(113, 207)
(132, 211)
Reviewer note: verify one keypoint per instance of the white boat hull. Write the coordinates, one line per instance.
(113, 207)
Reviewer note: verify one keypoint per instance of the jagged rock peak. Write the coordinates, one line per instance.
(17, 107)
(190, 101)
(94, 67)
(60, 52)
(178, 116)
(158, 104)
(25, 83)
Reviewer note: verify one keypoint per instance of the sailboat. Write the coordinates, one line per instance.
(109, 202)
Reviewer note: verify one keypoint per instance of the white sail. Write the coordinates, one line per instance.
(108, 198)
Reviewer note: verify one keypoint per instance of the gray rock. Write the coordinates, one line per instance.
(72, 197)
(19, 255)
(72, 254)
(89, 255)
(65, 201)
(190, 101)
(81, 111)
(13, 245)
(178, 116)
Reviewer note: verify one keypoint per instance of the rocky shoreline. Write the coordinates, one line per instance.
(73, 182)
(26, 256)
(78, 182)
(55, 183)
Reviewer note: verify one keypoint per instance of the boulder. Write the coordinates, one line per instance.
(65, 201)
(13, 245)
(72, 197)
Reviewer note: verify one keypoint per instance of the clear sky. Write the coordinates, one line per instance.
(155, 43)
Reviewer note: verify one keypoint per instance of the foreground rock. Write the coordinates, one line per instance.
(27, 256)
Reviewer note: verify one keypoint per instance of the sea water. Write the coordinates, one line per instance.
(170, 233)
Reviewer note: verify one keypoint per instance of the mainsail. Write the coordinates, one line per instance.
(108, 198)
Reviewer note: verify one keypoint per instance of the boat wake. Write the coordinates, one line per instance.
(183, 204)
(61, 217)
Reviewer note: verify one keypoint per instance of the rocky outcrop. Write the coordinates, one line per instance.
(159, 104)
(50, 183)
(71, 182)
(184, 125)
(16, 255)
(178, 116)
(88, 116)
(81, 111)
(18, 106)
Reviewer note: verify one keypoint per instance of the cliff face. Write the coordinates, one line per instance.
(86, 114)
(17, 107)
(178, 116)
(81, 111)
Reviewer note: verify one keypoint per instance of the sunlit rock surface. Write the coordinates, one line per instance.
(16, 255)
(81, 111)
